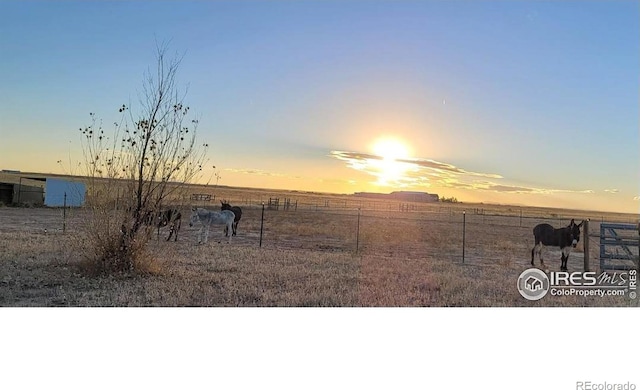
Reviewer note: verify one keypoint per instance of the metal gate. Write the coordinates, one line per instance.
(619, 245)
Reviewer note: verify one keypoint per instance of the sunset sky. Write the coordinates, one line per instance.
(519, 102)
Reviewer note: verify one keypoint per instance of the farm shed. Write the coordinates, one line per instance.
(21, 193)
(56, 190)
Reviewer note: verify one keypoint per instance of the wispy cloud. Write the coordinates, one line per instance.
(612, 190)
(505, 188)
(438, 166)
(354, 159)
(636, 198)
(422, 172)
(258, 172)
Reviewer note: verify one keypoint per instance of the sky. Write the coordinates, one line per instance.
(514, 102)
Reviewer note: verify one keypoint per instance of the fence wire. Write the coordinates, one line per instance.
(427, 233)
(488, 239)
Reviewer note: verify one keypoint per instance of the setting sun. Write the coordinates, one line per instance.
(390, 170)
(390, 149)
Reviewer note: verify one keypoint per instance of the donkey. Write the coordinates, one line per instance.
(565, 238)
(173, 218)
(237, 211)
(208, 218)
(160, 219)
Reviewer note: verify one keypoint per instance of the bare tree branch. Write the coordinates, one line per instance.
(151, 153)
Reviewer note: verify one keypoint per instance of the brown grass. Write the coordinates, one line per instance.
(104, 249)
(307, 259)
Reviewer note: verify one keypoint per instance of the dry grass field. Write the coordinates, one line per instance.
(308, 258)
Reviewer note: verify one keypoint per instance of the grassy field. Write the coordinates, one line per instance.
(307, 258)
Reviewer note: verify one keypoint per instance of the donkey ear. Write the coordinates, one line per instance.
(580, 224)
(572, 223)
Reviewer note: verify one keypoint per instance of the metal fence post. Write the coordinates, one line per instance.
(520, 217)
(64, 213)
(585, 244)
(358, 232)
(464, 232)
(261, 224)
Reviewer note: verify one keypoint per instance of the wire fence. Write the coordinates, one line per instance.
(457, 235)
(475, 236)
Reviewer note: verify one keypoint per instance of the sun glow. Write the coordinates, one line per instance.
(391, 169)
(390, 149)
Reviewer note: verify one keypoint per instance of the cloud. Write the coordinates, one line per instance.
(250, 171)
(348, 156)
(612, 191)
(258, 172)
(636, 197)
(516, 189)
(444, 167)
(354, 158)
(505, 188)
(423, 172)
(533, 190)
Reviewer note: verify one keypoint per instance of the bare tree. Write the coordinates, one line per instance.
(150, 156)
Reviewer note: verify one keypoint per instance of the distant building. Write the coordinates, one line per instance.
(31, 189)
(405, 196)
(20, 193)
(64, 193)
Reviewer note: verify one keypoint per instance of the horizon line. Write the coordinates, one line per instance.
(459, 203)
